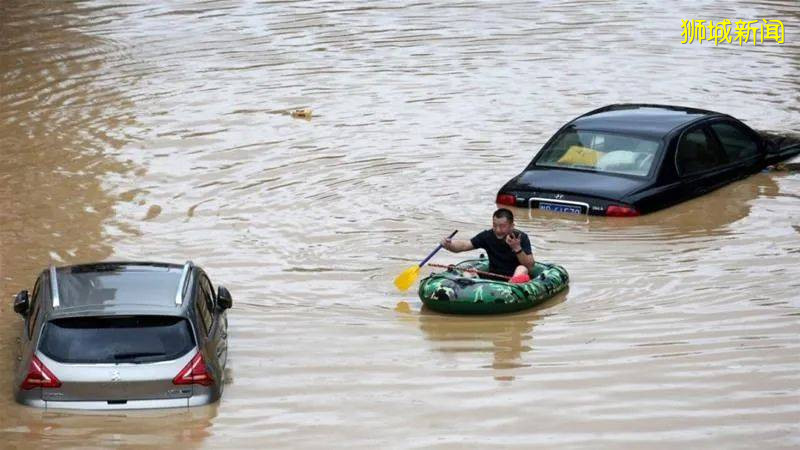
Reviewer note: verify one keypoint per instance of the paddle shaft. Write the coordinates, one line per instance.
(439, 247)
(451, 266)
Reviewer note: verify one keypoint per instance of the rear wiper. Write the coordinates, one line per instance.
(132, 355)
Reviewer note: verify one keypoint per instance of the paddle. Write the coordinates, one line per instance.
(408, 276)
(467, 269)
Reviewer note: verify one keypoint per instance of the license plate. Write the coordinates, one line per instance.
(560, 208)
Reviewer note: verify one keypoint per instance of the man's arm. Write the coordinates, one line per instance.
(522, 249)
(457, 245)
(525, 260)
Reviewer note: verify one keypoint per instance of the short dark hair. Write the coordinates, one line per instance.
(504, 213)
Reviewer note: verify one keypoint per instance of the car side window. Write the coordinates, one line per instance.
(695, 153)
(735, 142)
(206, 286)
(36, 302)
(203, 311)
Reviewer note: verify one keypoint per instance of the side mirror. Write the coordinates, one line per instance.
(224, 299)
(21, 303)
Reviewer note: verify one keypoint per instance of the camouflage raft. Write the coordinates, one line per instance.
(451, 292)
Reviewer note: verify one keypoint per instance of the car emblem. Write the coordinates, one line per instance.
(115, 375)
(559, 196)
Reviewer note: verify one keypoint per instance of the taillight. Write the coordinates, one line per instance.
(39, 376)
(506, 199)
(621, 211)
(194, 373)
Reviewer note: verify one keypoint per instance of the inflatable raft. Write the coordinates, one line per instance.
(453, 293)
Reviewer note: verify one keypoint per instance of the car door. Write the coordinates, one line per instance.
(26, 341)
(700, 163)
(214, 324)
(741, 148)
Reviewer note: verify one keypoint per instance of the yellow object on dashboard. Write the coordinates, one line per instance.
(581, 156)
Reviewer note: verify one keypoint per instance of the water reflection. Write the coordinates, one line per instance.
(107, 429)
(507, 337)
(57, 140)
(709, 215)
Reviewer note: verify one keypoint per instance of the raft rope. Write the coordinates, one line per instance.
(469, 269)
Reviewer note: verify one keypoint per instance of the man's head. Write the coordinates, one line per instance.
(502, 223)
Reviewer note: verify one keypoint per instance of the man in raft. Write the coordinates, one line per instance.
(509, 250)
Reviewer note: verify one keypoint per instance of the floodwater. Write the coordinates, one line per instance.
(142, 130)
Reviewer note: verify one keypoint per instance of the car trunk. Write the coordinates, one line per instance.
(780, 147)
(576, 182)
(116, 359)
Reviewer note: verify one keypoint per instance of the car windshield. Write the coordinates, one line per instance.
(127, 339)
(600, 151)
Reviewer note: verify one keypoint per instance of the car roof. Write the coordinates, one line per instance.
(647, 120)
(119, 288)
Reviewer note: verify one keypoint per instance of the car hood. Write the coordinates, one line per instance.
(592, 184)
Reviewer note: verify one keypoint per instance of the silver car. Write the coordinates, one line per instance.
(122, 335)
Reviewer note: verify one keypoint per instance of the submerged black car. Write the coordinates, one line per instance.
(631, 159)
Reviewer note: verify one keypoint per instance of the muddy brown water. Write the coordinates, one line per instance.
(142, 130)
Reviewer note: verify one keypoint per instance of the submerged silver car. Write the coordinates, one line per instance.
(122, 335)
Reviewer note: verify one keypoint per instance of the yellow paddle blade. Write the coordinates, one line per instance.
(406, 278)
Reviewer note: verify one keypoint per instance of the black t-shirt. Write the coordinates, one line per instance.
(502, 259)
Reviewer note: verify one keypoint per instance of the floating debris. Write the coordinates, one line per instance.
(790, 166)
(152, 212)
(302, 113)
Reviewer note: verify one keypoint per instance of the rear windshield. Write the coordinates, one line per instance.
(128, 339)
(601, 152)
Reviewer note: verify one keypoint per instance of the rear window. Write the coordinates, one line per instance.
(736, 143)
(601, 152)
(128, 339)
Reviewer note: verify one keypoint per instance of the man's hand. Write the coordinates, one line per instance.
(456, 245)
(447, 243)
(513, 241)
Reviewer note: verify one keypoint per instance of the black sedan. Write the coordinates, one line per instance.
(627, 160)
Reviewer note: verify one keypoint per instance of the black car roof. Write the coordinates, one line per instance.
(654, 121)
(118, 285)
(110, 265)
